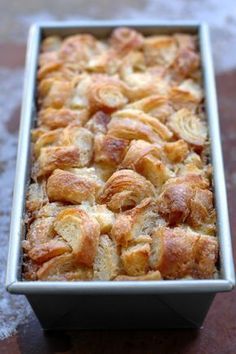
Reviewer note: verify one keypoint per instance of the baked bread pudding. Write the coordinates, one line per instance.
(121, 183)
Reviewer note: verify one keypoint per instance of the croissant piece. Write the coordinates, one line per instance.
(43, 252)
(156, 126)
(125, 189)
(135, 224)
(109, 149)
(53, 118)
(186, 41)
(160, 50)
(144, 158)
(176, 151)
(79, 97)
(193, 165)
(125, 39)
(102, 214)
(36, 196)
(188, 127)
(54, 157)
(107, 95)
(41, 231)
(49, 138)
(82, 139)
(186, 62)
(135, 259)
(179, 200)
(81, 231)
(174, 202)
(136, 151)
(50, 209)
(187, 95)
(154, 105)
(201, 206)
(51, 44)
(54, 93)
(152, 275)
(64, 267)
(178, 253)
(78, 49)
(107, 262)
(98, 123)
(52, 69)
(65, 186)
(130, 129)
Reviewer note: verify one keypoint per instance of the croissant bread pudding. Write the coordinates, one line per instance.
(121, 181)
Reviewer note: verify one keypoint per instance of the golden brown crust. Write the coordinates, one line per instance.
(65, 186)
(64, 267)
(107, 262)
(109, 149)
(188, 127)
(125, 189)
(81, 231)
(131, 225)
(121, 181)
(59, 118)
(177, 253)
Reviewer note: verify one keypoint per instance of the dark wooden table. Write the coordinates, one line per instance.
(219, 332)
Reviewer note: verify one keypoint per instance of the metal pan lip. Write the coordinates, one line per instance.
(227, 275)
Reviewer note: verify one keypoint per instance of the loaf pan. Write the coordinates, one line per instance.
(102, 304)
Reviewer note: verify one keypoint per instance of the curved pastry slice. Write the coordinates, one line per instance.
(41, 231)
(135, 259)
(109, 149)
(59, 118)
(107, 262)
(64, 267)
(176, 201)
(81, 138)
(51, 44)
(54, 157)
(43, 252)
(78, 49)
(178, 253)
(54, 93)
(81, 231)
(49, 138)
(107, 94)
(102, 214)
(188, 127)
(125, 39)
(131, 129)
(176, 151)
(125, 189)
(66, 186)
(36, 196)
(155, 105)
(144, 158)
(98, 123)
(187, 95)
(160, 50)
(186, 63)
(137, 115)
(134, 225)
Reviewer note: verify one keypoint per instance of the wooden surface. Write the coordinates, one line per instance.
(219, 332)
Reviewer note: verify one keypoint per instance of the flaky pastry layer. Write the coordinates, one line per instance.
(121, 183)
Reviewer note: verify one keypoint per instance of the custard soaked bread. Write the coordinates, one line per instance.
(121, 185)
